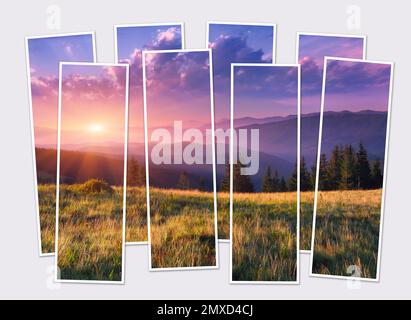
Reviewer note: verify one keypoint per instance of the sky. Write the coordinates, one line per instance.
(93, 106)
(178, 89)
(45, 55)
(235, 43)
(130, 43)
(265, 91)
(311, 52)
(357, 86)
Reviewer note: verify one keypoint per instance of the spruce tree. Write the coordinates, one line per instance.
(313, 177)
(348, 169)
(292, 181)
(323, 183)
(305, 182)
(183, 182)
(267, 181)
(363, 169)
(241, 183)
(225, 183)
(283, 185)
(335, 168)
(132, 172)
(377, 176)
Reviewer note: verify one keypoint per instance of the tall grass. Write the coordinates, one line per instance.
(223, 215)
(90, 234)
(182, 229)
(47, 209)
(306, 219)
(347, 232)
(264, 237)
(136, 216)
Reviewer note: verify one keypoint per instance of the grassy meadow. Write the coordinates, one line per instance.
(182, 228)
(347, 232)
(223, 215)
(136, 215)
(264, 237)
(90, 234)
(306, 219)
(47, 209)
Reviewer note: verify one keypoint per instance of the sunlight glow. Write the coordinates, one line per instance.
(96, 128)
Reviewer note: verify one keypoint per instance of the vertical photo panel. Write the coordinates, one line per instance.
(180, 159)
(311, 50)
(131, 40)
(232, 43)
(351, 168)
(43, 57)
(264, 167)
(91, 172)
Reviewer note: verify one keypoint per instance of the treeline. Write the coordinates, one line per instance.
(272, 182)
(184, 183)
(136, 173)
(346, 169)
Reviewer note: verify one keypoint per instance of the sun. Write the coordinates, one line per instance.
(96, 128)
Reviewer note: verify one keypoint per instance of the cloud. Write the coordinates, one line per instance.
(267, 82)
(68, 50)
(167, 39)
(349, 76)
(230, 49)
(185, 72)
(311, 76)
(44, 87)
(107, 85)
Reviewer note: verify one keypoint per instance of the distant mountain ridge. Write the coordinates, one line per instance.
(345, 127)
(278, 141)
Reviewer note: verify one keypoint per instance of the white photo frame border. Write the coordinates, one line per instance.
(161, 24)
(298, 66)
(273, 58)
(217, 266)
(297, 48)
(123, 254)
(387, 139)
(33, 142)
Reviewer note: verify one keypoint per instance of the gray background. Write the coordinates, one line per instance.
(24, 275)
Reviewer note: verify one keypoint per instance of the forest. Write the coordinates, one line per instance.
(345, 169)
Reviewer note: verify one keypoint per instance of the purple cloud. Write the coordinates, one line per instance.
(165, 40)
(230, 49)
(266, 82)
(44, 87)
(177, 72)
(109, 83)
(353, 76)
(311, 76)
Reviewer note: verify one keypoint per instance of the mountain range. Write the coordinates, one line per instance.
(277, 145)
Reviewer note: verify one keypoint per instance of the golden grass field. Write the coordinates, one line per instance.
(90, 229)
(182, 229)
(47, 209)
(306, 219)
(136, 215)
(264, 237)
(90, 234)
(347, 232)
